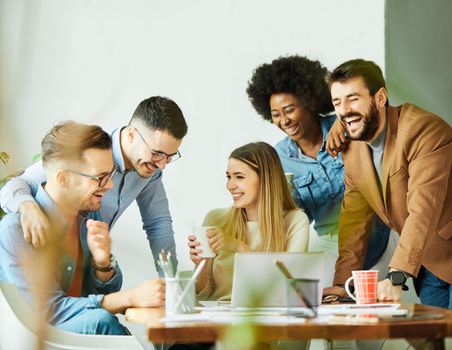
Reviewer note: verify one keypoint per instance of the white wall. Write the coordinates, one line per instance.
(93, 61)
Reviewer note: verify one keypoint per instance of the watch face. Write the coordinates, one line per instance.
(398, 278)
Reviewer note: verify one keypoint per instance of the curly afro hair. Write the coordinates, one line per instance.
(296, 75)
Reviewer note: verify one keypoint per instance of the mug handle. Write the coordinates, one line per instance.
(347, 289)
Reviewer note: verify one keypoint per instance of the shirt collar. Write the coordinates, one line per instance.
(116, 149)
(56, 218)
(325, 125)
(378, 143)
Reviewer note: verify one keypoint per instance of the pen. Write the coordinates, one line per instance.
(165, 265)
(283, 269)
(172, 264)
(189, 284)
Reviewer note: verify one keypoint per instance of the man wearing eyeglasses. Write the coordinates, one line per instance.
(141, 150)
(75, 275)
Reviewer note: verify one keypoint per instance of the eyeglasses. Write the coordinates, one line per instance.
(157, 155)
(103, 179)
(335, 298)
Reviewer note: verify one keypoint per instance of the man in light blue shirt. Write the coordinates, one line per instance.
(75, 275)
(141, 151)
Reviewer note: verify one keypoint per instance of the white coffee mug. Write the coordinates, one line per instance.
(200, 233)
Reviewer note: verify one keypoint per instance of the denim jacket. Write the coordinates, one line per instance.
(318, 188)
(318, 184)
(15, 253)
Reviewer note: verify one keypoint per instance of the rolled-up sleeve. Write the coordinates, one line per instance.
(22, 188)
(97, 286)
(157, 222)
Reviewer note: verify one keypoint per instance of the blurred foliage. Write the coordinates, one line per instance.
(4, 158)
(36, 157)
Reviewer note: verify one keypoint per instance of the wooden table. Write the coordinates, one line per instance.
(434, 330)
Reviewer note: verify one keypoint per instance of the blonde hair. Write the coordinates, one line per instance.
(274, 197)
(68, 140)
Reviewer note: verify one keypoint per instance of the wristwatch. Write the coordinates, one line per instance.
(398, 278)
(111, 266)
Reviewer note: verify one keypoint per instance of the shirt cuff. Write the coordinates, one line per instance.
(112, 285)
(95, 301)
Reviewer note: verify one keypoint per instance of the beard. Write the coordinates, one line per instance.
(90, 207)
(143, 171)
(370, 123)
(91, 203)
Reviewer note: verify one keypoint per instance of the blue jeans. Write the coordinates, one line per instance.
(93, 321)
(432, 290)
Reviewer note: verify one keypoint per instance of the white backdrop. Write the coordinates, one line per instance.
(94, 61)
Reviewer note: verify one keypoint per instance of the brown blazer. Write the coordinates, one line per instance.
(415, 198)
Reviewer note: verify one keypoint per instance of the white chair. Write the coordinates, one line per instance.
(18, 325)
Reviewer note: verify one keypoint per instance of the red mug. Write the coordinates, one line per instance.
(365, 286)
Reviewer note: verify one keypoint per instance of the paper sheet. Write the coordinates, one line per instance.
(232, 318)
(353, 309)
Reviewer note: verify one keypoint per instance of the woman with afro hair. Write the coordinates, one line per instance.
(291, 92)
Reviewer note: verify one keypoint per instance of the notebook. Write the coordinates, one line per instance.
(257, 282)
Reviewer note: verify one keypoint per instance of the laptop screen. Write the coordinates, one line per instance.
(257, 282)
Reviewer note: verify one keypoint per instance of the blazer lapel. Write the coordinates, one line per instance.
(370, 178)
(388, 154)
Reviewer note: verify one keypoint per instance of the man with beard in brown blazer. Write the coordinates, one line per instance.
(399, 168)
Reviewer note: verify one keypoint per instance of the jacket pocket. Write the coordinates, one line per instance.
(303, 184)
(445, 231)
(398, 175)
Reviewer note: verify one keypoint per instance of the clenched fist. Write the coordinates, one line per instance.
(150, 293)
(99, 241)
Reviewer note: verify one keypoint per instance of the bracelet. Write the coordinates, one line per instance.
(107, 268)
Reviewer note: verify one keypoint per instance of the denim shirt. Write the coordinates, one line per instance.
(318, 188)
(128, 186)
(318, 184)
(15, 252)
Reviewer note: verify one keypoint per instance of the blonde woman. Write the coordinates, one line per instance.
(263, 217)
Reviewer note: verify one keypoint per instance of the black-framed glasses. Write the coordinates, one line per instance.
(157, 155)
(103, 179)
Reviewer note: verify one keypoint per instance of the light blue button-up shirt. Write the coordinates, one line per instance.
(15, 253)
(128, 186)
(318, 188)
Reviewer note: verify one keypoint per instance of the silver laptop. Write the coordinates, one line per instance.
(257, 282)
